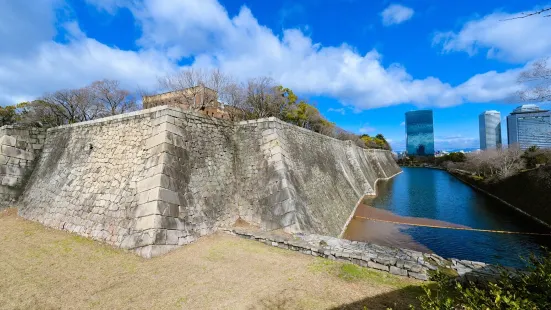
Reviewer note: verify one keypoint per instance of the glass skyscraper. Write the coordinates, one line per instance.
(528, 126)
(490, 130)
(419, 133)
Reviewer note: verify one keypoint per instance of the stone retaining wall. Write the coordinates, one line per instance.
(402, 262)
(309, 182)
(19, 146)
(156, 179)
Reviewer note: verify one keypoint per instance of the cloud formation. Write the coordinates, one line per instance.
(396, 14)
(339, 110)
(366, 129)
(516, 41)
(455, 142)
(240, 45)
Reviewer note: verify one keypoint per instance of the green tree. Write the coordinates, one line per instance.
(525, 290)
(8, 115)
(42, 112)
(534, 156)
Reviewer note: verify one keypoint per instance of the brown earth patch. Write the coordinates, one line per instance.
(43, 268)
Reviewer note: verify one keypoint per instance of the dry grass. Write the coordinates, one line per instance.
(48, 269)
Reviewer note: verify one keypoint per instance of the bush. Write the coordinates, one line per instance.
(526, 290)
(534, 156)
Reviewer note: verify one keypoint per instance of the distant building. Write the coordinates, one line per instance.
(528, 125)
(490, 130)
(199, 98)
(419, 133)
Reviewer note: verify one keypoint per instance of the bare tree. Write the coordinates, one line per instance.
(89, 107)
(508, 161)
(114, 99)
(233, 96)
(500, 163)
(71, 105)
(264, 98)
(538, 80)
(65, 104)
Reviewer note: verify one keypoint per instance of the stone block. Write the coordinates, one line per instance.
(168, 196)
(288, 219)
(148, 208)
(156, 140)
(14, 152)
(160, 236)
(172, 237)
(12, 170)
(374, 265)
(158, 180)
(10, 181)
(418, 276)
(149, 222)
(398, 271)
(8, 140)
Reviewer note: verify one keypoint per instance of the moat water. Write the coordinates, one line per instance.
(434, 197)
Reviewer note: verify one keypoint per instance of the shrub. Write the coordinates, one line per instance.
(525, 290)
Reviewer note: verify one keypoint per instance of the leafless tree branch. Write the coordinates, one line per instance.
(530, 14)
(537, 79)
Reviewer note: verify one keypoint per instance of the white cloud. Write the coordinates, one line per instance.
(366, 129)
(396, 14)
(402, 123)
(238, 45)
(24, 26)
(518, 40)
(339, 110)
(56, 66)
(455, 142)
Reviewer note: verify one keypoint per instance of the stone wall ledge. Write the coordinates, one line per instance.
(283, 124)
(397, 261)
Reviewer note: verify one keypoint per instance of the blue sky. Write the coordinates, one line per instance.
(364, 63)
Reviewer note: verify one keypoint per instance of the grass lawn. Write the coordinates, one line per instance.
(42, 268)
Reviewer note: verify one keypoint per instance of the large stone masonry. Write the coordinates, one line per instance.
(156, 179)
(19, 146)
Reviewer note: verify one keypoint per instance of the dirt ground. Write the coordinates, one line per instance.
(43, 268)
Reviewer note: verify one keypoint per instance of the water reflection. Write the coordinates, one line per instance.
(421, 195)
(436, 195)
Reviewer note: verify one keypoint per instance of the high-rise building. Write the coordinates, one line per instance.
(490, 130)
(528, 125)
(419, 133)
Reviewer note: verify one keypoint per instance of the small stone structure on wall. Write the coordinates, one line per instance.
(156, 179)
(19, 146)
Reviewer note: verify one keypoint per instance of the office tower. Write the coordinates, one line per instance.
(528, 125)
(490, 130)
(419, 133)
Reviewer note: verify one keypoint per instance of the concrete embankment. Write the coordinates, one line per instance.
(528, 191)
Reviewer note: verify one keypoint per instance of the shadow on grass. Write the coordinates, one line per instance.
(396, 300)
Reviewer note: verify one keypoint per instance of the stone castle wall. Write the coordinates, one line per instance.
(19, 146)
(160, 178)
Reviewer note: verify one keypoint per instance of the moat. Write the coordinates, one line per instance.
(434, 197)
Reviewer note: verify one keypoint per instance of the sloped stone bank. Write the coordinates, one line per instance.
(402, 262)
